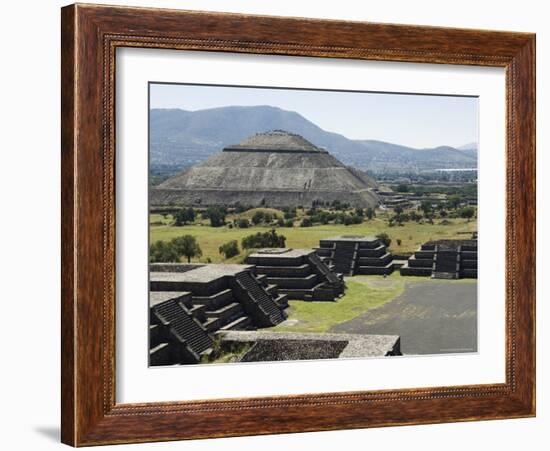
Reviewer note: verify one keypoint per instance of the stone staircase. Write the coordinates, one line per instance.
(261, 297)
(186, 329)
(316, 261)
(446, 264)
(344, 257)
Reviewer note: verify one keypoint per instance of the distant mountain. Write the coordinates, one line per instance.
(180, 138)
(468, 146)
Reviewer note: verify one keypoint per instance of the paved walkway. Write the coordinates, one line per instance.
(432, 317)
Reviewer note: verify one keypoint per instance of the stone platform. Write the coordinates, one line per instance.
(277, 346)
(443, 259)
(298, 273)
(188, 303)
(355, 254)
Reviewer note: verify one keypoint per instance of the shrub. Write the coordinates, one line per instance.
(162, 252)
(306, 222)
(467, 212)
(398, 241)
(348, 220)
(384, 238)
(242, 223)
(289, 223)
(263, 239)
(183, 216)
(229, 249)
(257, 217)
(289, 213)
(370, 213)
(216, 215)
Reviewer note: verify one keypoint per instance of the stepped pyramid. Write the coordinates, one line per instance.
(275, 168)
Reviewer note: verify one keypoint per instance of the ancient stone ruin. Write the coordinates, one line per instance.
(189, 303)
(352, 255)
(298, 273)
(444, 259)
(278, 346)
(276, 169)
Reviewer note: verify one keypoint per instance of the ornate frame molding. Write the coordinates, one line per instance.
(90, 37)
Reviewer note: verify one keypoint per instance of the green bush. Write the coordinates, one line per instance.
(242, 223)
(184, 216)
(306, 222)
(163, 252)
(263, 239)
(172, 251)
(384, 238)
(229, 249)
(216, 215)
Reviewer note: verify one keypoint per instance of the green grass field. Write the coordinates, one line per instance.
(210, 239)
(363, 293)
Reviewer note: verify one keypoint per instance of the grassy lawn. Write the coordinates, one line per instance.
(211, 238)
(363, 294)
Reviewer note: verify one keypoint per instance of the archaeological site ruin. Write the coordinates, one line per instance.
(443, 259)
(276, 168)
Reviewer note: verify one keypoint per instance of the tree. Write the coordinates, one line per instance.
(163, 252)
(289, 213)
(216, 215)
(370, 213)
(467, 213)
(184, 215)
(402, 188)
(384, 238)
(454, 201)
(426, 207)
(229, 249)
(258, 217)
(263, 239)
(398, 209)
(306, 222)
(187, 246)
(242, 223)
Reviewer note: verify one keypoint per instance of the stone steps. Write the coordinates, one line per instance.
(444, 275)
(243, 322)
(183, 326)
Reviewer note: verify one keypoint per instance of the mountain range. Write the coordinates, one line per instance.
(180, 138)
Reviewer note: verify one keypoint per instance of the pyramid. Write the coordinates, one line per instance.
(276, 169)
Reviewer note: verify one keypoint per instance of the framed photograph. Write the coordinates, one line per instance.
(278, 225)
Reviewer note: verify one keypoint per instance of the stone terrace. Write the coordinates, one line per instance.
(188, 305)
(277, 346)
(444, 259)
(351, 255)
(298, 273)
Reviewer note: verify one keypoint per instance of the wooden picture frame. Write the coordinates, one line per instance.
(90, 36)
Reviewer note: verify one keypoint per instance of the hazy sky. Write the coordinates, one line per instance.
(408, 119)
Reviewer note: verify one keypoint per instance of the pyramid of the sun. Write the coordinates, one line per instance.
(275, 168)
